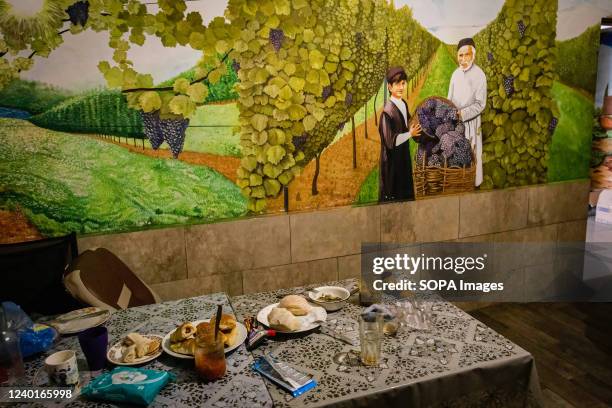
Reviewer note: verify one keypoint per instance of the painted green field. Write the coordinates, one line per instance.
(66, 182)
(570, 151)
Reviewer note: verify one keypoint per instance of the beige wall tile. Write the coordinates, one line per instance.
(287, 276)
(349, 266)
(156, 255)
(544, 282)
(429, 220)
(219, 248)
(492, 211)
(557, 202)
(333, 233)
(524, 247)
(572, 231)
(230, 283)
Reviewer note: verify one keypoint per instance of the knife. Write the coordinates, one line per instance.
(85, 316)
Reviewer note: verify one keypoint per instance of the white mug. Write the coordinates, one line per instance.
(62, 368)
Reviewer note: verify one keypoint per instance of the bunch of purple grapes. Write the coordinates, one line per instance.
(276, 38)
(435, 160)
(434, 113)
(299, 141)
(327, 91)
(521, 28)
(152, 130)
(348, 100)
(78, 13)
(462, 153)
(174, 134)
(358, 38)
(509, 85)
(553, 124)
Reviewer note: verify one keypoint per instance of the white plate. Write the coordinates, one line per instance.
(114, 353)
(72, 326)
(307, 322)
(242, 335)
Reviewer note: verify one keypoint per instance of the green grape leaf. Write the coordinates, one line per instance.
(275, 154)
(309, 122)
(272, 187)
(259, 122)
(197, 92)
(297, 84)
(182, 105)
(181, 85)
(150, 101)
(114, 77)
(316, 59)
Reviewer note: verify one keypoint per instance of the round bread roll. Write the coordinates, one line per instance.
(282, 319)
(226, 324)
(295, 304)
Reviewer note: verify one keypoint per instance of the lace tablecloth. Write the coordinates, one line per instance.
(240, 387)
(458, 362)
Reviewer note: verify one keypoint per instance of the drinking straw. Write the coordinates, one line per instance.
(218, 320)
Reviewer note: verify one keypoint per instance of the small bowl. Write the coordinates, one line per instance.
(338, 291)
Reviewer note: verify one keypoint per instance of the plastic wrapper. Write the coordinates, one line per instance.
(128, 385)
(33, 338)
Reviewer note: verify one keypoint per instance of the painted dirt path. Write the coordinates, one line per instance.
(226, 165)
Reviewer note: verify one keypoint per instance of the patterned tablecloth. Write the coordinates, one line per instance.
(459, 362)
(240, 387)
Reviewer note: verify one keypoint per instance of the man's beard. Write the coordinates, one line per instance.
(469, 65)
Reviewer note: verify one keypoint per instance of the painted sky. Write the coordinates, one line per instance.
(73, 65)
(451, 20)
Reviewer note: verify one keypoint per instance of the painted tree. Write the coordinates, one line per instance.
(305, 69)
(517, 53)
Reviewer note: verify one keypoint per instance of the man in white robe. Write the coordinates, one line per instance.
(468, 91)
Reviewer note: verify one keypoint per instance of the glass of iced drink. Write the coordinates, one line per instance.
(370, 337)
(210, 356)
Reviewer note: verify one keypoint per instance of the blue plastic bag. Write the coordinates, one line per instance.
(128, 384)
(33, 338)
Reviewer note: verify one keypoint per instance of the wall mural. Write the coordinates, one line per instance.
(601, 163)
(118, 115)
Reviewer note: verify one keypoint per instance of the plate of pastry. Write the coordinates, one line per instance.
(180, 342)
(293, 314)
(135, 349)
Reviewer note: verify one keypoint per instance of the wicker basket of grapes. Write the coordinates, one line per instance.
(445, 161)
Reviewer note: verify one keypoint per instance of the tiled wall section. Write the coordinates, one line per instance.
(270, 252)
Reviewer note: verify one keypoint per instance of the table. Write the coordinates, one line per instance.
(460, 362)
(240, 386)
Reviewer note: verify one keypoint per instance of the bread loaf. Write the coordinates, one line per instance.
(296, 304)
(282, 319)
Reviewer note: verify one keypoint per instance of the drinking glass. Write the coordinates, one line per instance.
(210, 357)
(94, 343)
(370, 337)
